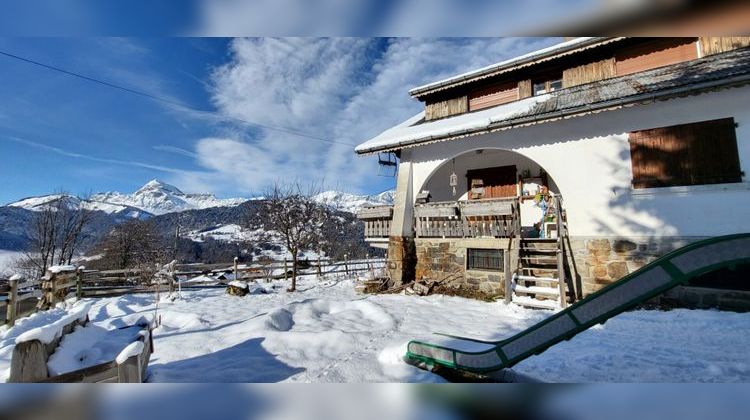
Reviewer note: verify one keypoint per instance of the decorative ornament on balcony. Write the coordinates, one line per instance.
(454, 178)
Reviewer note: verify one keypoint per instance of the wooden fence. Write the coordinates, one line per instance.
(22, 297)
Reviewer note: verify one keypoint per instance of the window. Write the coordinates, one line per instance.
(547, 86)
(689, 154)
(485, 259)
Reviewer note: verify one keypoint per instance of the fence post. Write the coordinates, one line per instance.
(320, 273)
(346, 264)
(79, 283)
(286, 271)
(235, 269)
(367, 261)
(10, 314)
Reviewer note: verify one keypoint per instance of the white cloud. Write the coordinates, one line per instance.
(343, 89)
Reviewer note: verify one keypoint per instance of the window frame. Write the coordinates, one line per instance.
(499, 266)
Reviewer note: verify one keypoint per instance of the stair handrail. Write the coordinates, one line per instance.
(561, 284)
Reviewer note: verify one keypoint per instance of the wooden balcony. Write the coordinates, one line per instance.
(377, 221)
(495, 218)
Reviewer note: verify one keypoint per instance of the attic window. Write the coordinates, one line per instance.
(547, 86)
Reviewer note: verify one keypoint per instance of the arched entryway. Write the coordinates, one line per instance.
(501, 173)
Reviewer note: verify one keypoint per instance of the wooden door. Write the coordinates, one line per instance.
(496, 182)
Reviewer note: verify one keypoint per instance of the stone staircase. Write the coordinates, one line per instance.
(537, 281)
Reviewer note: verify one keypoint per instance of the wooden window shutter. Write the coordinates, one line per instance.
(493, 96)
(688, 154)
(653, 54)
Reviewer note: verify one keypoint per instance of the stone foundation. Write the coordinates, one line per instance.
(602, 261)
(401, 260)
(444, 261)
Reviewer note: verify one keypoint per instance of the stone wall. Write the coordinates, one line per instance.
(601, 261)
(444, 260)
(400, 260)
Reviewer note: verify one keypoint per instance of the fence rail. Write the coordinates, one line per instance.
(20, 297)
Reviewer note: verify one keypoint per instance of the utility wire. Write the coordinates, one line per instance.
(167, 100)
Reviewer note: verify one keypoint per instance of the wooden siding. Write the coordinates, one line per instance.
(524, 89)
(590, 72)
(655, 54)
(446, 108)
(715, 44)
(493, 96)
(688, 154)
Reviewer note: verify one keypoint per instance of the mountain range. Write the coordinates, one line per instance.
(203, 219)
(157, 198)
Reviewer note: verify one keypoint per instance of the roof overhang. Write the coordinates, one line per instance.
(609, 105)
(539, 56)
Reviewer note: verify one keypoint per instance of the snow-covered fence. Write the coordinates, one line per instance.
(23, 296)
(57, 284)
(18, 303)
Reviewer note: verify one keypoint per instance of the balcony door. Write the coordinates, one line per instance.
(494, 182)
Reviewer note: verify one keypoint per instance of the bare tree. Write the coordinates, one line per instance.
(135, 244)
(56, 232)
(293, 215)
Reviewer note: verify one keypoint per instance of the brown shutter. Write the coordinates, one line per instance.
(655, 54)
(493, 96)
(688, 154)
(498, 182)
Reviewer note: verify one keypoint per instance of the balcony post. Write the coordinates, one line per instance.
(401, 251)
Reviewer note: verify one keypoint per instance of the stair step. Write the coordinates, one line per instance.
(533, 278)
(535, 303)
(539, 258)
(539, 250)
(540, 265)
(537, 290)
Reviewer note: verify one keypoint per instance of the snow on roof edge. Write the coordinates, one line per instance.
(531, 56)
(383, 143)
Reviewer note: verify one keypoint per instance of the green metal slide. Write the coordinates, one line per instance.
(670, 270)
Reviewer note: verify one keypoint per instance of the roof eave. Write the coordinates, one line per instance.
(508, 65)
(695, 89)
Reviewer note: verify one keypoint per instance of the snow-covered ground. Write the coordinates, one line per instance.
(325, 332)
(8, 260)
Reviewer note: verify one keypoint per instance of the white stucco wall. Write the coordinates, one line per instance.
(589, 160)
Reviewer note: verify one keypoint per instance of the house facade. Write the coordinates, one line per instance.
(543, 178)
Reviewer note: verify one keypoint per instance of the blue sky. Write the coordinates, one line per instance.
(59, 132)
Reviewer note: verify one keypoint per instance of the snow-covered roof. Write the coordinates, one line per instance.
(690, 77)
(513, 63)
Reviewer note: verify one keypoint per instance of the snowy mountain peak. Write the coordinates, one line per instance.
(157, 197)
(351, 202)
(156, 185)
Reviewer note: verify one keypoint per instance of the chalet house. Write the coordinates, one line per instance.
(547, 176)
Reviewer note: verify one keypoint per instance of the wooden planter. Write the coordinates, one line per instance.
(29, 362)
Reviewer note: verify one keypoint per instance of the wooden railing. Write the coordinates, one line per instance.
(497, 218)
(377, 221)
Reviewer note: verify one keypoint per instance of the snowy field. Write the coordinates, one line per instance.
(325, 332)
(8, 260)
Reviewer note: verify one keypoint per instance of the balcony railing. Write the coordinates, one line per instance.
(497, 218)
(377, 221)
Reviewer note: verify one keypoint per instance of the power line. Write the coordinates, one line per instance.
(167, 100)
